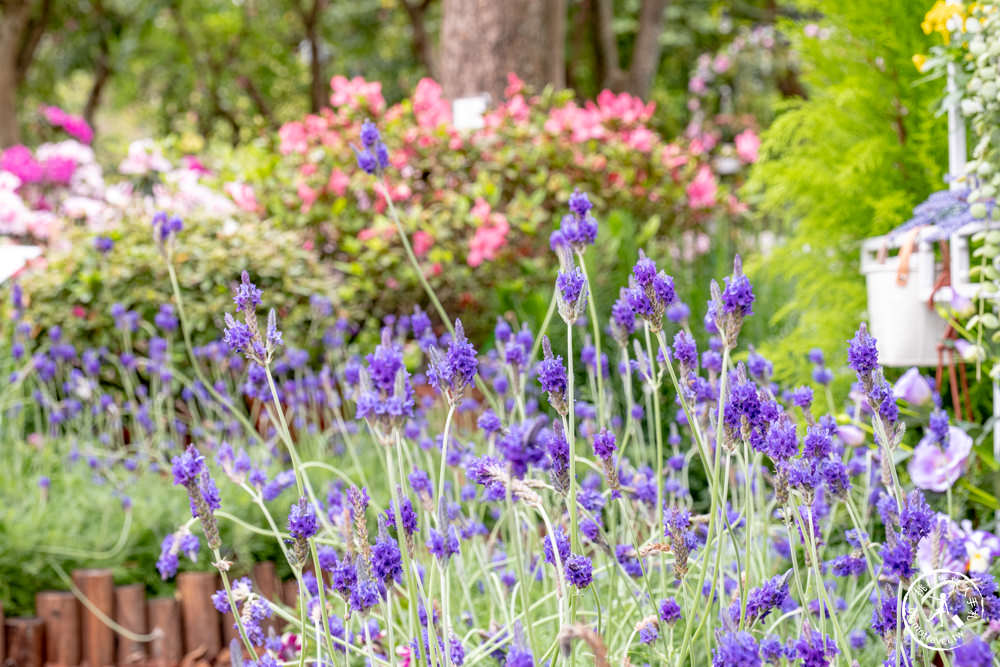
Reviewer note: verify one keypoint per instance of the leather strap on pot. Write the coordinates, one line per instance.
(905, 251)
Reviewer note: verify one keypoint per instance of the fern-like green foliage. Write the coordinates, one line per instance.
(848, 162)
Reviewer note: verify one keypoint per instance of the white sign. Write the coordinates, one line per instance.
(13, 258)
(467, 112)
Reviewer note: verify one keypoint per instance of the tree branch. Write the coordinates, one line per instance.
(30, 38)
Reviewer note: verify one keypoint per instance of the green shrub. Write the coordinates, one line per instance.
(77, 285)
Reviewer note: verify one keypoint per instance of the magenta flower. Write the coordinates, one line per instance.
(934, 469)
(913, 388)
(702, 190)
(747, 145)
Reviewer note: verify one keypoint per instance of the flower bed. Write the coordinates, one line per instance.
(635, 497)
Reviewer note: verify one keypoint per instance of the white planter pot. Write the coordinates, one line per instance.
(906, 330)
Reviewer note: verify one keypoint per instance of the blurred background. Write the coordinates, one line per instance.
(786, 131)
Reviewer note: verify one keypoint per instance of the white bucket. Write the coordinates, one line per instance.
(906, 331)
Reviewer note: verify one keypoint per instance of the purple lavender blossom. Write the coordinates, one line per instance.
(973, 652)
(386, 394)
(246, 296)
(815, 650)
(103, 244)
(737, 296)
(685, 351)
(916, 518)
(862, 355)
(736, 649)
(552, 377)
(670, 611)
(579, 571)
(443, 545)
(579, 228)
(302, 520)
(456, 369)
(604, 444)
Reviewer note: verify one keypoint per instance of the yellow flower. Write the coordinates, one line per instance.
(919, 60)
(936, 20)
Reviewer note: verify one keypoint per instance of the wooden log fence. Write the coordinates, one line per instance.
(117, 626)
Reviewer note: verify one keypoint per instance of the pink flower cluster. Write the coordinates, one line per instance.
(75, 126)
(702, 190)
(430, 107)
(357, 94)
(490, 236)
(423, 129)
(612, 116)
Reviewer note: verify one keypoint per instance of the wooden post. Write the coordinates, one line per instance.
(229, 631)
(25, 642)
(98, 640)
(265, 577)
(3, 641)
(201, 620)
(165, 622)
(130, 606)
(60, 611)
(290, 593)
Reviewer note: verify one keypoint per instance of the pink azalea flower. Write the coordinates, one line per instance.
(192, 163)
(75, 126)
(429, 105)
(489, 238)
(934, 469)
(339, 180)
(19, 161)
(59, 170)
(672, 156)
(480, 210)
(702, 190)
(747, 145)
(641, 139)
(308, 196)
(243, 195)
(514, 85)
(422, 242)
(293, 138)
(357, 93)
(735, 206)
(367, 234)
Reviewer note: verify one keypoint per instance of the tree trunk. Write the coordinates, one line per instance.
(484, 40)
(638, 78)
(646, 54)
(13, 25)
(420, 44)
(318, 86)
(556, 23)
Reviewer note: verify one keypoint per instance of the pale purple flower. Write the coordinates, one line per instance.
(934, 469)
(913, 388)
(850, 435)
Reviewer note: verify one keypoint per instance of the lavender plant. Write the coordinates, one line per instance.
(632, 497)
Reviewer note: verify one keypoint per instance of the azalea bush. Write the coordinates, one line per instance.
(479, 203)
(639, 497)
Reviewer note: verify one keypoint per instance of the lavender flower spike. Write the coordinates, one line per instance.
(190, 472)
(552, 376)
